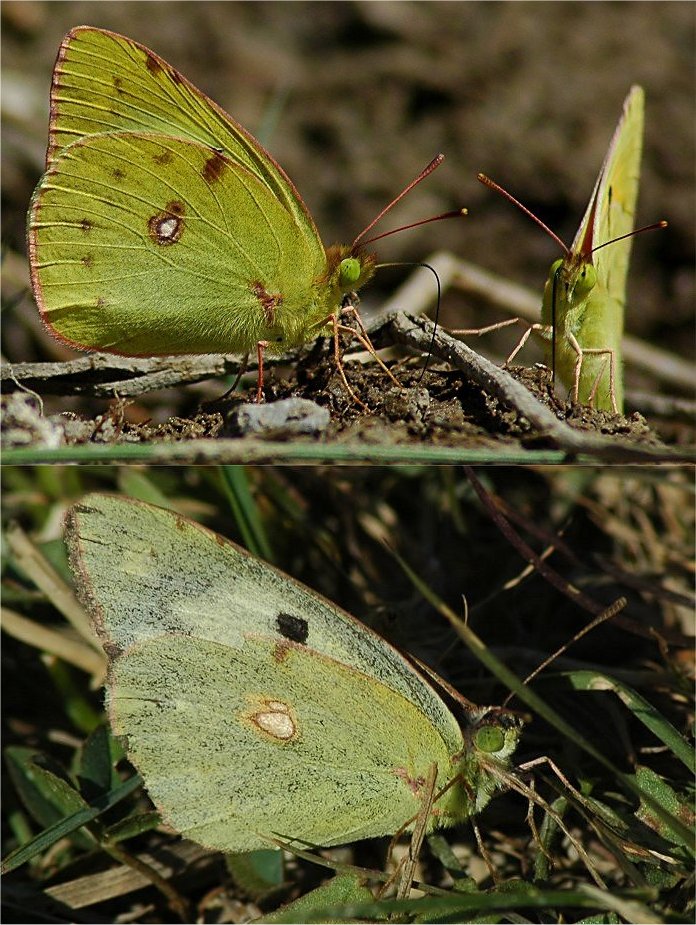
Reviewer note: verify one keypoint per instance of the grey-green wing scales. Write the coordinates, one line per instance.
(344, 767)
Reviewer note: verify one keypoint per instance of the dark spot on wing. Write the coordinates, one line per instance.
(117, 173)
(112, 650)
(296, 629)
(164, 157)
(87, 261)
(213, 168)
(118, 85)
(86, 225)
(269, 302)
(153, 65)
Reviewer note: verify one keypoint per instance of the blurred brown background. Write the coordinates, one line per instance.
(354, 98)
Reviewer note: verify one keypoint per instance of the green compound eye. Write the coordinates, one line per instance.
(489, 739)
(350, 271)
(587, 280)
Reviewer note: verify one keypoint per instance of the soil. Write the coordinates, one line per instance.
(353, 99)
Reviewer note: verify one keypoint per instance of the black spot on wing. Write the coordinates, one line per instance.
(296, 629)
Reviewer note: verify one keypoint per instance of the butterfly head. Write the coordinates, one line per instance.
(346, 270)
(494, 732)
(491, 735)
(574, 276)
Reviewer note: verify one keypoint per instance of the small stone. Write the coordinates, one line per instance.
(289, 416)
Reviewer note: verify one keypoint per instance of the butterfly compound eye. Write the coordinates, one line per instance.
(350, 271)
(587, 279)
(489, 739)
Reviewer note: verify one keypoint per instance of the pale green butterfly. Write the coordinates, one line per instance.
(582, 315)
(161, 226)
(257, 710)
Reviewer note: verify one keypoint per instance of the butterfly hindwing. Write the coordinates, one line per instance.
(239, 745)
(148, 244)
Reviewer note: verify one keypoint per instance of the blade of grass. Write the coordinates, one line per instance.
(51, 835)
(235, 484)
(641, 709)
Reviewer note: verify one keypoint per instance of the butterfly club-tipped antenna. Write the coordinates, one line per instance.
(587, 251)
(607, 614)
(361, 240)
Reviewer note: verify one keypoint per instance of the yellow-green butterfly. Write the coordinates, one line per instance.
(585, 293)
(582, 313)
(161, 226)
(257, 710)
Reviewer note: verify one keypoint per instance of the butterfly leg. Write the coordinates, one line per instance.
(504, 324)
(333, 317)
(515, 782)
(363, 338)
(580, 355)
(260, 347)
(404, 871)
(609, 356)
(237, 379)
(595, 385)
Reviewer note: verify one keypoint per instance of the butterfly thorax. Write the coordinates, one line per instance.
(294, 319)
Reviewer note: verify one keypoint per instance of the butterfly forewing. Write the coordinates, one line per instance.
(104, 82)
(198, 582)
(612, 206)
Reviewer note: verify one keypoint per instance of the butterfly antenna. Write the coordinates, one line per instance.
(436, 161)
(653, 227)
(491, 184)
(607, 614)
(455, 213)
